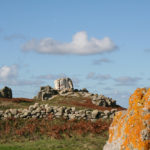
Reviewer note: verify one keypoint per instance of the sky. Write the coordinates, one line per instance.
(103, 46)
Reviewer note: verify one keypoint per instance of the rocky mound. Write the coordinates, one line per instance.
(130, 130)
(64, 87)
(6, 92)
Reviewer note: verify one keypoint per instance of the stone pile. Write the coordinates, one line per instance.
(130, 130)
(41, 111)
(6, 92)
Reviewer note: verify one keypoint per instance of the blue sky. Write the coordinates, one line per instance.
(102, 45)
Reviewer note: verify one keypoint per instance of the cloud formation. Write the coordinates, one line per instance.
(127, 81)
(8, 72)
(15, 37)
(9, 75)
(94, 76)
(101, 61)
(80, 45)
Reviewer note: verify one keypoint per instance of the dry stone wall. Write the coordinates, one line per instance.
(41, 111)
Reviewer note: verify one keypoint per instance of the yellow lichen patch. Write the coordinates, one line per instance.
(133, 127)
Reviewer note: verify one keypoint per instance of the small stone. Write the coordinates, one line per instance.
(13, 111)
(95, 113)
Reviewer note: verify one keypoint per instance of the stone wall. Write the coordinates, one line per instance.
(41, 111)
(130, 130)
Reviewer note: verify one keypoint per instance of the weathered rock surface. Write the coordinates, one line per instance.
(63, 83)
(46, 92)
(130, 130)
(6, 92)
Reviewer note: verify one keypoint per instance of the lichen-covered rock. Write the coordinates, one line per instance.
(130, 130)
(63, 83)
(6, 92)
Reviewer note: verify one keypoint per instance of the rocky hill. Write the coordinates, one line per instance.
(65, 101)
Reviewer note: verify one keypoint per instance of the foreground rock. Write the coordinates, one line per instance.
(6, 92)
(63, 83)
(130, 129)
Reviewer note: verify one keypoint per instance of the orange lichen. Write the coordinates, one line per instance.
(133, 126)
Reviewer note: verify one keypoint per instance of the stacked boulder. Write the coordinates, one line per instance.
(69, 113)
(6, 92)
(63, 83)
(130, 130)
(46, 93)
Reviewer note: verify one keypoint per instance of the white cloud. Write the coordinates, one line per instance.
(9, 75)
(8, 72)
(80, 45)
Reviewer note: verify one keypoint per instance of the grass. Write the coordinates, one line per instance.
(6, 103)
(88, 142)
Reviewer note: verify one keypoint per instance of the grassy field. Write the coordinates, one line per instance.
(88, 142)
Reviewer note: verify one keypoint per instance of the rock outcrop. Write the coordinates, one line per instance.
(64, 87)
(63, 83)
(46, 93)
(101, 100)
(130, 130)
(6, 92)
